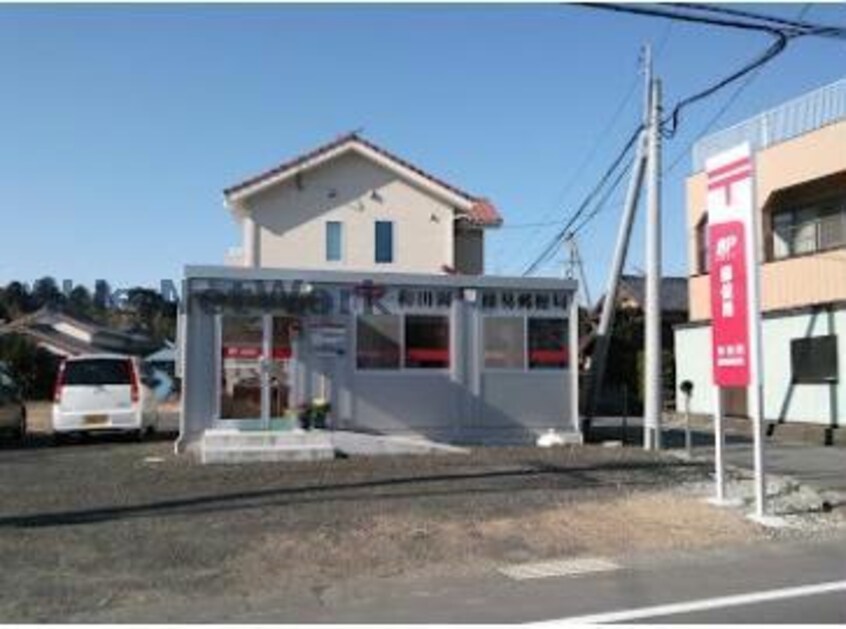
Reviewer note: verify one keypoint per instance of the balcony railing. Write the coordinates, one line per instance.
(796, 117)
(821, 234)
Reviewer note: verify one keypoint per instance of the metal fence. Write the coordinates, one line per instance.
(801, 115)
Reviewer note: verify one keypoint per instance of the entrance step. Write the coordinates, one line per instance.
(363, 444)
(233, 446)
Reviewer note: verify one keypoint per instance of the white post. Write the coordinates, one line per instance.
(574, 362)
(688, 438)
(719, 443)
(652, 341)
(756, 364)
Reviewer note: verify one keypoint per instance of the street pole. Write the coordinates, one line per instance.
(688, 437)
(652, 340)
(719, 446)
(606, 320)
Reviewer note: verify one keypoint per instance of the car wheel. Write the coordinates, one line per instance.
(59, 438)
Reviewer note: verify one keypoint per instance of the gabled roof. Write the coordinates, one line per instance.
(477, 210)
(673, 291)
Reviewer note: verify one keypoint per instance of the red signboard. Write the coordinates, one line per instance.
(729, 305)
(731, 253)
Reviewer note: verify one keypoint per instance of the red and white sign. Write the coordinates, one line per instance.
(732, 255)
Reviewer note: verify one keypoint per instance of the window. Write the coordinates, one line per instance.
(334, 235)
(378, 342)
(809, 229)
(426, 342)
(98, 371)
(814, 359)
(384, 241)
(702, 245)
(504, 342)
(548, 344)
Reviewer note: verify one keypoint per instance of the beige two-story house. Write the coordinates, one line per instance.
(800, 187)
(352, 205)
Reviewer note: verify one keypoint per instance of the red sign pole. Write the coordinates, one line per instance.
(733, 254)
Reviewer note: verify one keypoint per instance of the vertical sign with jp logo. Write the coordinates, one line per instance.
(732, 256)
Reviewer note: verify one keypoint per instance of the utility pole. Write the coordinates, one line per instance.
(652, 341)
(575, 262)
(606, 320)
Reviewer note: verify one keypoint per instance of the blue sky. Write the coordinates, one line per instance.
(122, 124)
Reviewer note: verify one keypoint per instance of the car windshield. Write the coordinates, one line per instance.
(97, 371)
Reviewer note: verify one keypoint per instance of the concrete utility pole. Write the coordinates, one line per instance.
(652, 311)
(575, 262)
(606, 320)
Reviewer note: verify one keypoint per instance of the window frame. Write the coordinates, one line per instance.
(401, 342)
(402, 369)
(525, 353)
(393, 233)
(525, 316)
(566, 338)
(818, 205)
(326, 241)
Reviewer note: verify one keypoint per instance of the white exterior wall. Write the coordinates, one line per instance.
(290, 221)
(810, 403)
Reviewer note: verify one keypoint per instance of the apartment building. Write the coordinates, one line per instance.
(800, 186)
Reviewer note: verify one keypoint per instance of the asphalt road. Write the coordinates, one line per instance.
(643, 582)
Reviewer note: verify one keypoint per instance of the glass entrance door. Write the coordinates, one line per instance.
(283, 331)
(255, 368)
(241, 362)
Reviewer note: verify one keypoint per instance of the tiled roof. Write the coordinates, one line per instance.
(482, 212)
(673, 291)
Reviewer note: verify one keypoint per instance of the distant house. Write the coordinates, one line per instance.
(64, 335)
(352, 205)
(631, 295)
(622, 370)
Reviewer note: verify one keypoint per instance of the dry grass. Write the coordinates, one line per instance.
(394, 544)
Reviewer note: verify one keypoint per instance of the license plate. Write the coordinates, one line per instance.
(95, 420)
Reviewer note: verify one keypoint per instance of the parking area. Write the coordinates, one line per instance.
(110, 529)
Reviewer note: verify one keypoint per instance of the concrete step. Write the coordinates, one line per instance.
(260, 438)
(315, 452)
(353, 443)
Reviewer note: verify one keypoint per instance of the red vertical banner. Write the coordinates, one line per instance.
(729, 305)
(732, 258)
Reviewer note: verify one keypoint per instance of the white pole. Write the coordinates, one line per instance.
(652, 340)
(688, 438)
(574, 363)
(719, 443)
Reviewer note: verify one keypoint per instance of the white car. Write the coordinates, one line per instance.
(104, 392)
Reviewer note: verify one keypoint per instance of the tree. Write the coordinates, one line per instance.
(17, 300)
(33, 367)
(45, 292)
(80, 303)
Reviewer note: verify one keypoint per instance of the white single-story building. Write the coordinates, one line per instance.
(460, 359)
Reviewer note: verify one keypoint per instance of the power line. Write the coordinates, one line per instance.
(795, 24)
(726, 106)
(562, 233)
(781, 34)
(603, 203)
(589, 157)
(670, 124)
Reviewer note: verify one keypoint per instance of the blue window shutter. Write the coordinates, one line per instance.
(333, 241)
(384, 241)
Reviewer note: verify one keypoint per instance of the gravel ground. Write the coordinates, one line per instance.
(108, 524)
